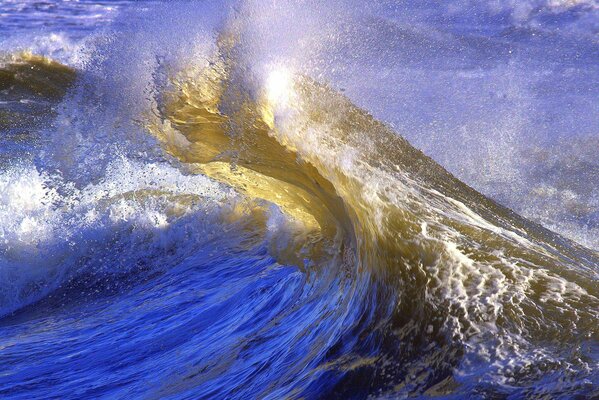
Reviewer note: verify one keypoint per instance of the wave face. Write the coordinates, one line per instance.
(200, 205)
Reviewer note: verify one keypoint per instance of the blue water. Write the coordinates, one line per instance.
(219, 319)
(164, 334)
(125, 275)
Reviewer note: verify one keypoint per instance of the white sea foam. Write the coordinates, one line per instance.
(48, 227)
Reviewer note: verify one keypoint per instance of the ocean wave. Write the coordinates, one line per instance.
(206, 215)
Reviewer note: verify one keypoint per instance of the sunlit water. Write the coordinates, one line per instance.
(197, 199)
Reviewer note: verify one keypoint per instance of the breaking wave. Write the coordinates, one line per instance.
(200, 213)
